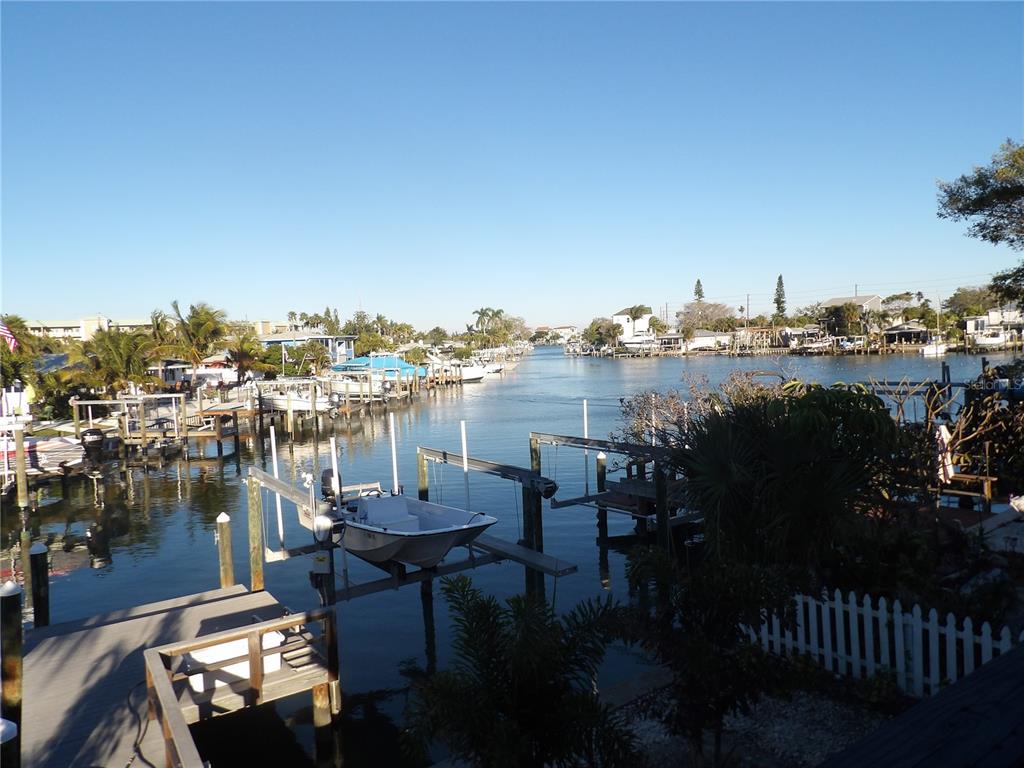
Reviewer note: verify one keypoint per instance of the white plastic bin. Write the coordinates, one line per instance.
(205, 681)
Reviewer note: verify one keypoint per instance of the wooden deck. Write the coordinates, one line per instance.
(85, 692)
(977, 722)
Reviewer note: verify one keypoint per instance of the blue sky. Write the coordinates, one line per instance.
(557, 160)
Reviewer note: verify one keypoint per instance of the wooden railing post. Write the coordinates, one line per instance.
(39, 563)
(227, 563)
(255, 641)
(255, 536)
(11, 663)
(422, 477)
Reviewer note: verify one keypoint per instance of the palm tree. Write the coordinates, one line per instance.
(245, 352)
(483, 317)
(113, 360)
(657, 325)
(520, 688)
(199, 333)
(161, 334)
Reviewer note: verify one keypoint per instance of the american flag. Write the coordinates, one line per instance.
(8, 337)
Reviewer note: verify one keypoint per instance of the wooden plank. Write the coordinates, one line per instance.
(506, 550)
(975, 722)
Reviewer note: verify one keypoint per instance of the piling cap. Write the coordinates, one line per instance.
(10, 589)
(38, 548)
(601, 455)
(8, 730)
(223, 518)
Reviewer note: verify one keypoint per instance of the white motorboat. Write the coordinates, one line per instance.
(994, 337)
(49, 454)
(384, 528)
(934, 348)
(471, 373)
(817, 346)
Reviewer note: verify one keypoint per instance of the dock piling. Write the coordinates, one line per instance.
(39, 564)
(224, 555)
(255, 537)
(11, 662)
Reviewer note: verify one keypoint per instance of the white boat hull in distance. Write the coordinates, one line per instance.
(935, 349)
(472, 373)
(408, 530)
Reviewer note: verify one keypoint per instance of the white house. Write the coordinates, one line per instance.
(635, 333)
(340, 347)
(994, 319)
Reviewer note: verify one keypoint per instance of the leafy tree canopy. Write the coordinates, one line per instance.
(991, 197)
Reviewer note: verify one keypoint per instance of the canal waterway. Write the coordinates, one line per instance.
(162, 520)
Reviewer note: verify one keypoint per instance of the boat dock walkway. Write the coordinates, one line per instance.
(85, 681)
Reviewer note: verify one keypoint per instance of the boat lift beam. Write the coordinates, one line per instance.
(529, 479)
(635, 450)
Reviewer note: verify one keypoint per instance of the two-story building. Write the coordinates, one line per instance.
(340, 347)
(635, 333)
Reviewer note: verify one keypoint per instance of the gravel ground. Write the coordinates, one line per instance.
(793, 732)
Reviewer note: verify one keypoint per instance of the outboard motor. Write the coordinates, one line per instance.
(327, 484)
(92, 442)
(335, 398)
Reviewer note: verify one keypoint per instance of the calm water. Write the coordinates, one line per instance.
(165, 518)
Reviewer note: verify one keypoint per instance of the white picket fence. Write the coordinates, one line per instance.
(855, 639)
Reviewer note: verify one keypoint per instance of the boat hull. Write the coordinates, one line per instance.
(409, 531)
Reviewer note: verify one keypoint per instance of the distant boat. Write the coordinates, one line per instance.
(408, 530)
(995, 337)
(816, 346)
(935, 347)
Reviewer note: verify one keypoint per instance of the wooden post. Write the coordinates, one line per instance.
(234, 424)
(20, 466)
(21, 479)
(538, 521)
(39, 564)
(602, 510)
(422, 477)
(227, 562)
(255, 537)
(291, 416)
(661, 507)
(218, 430)
(74, 415)
(312, 406)
(11, 663)
(142, 426)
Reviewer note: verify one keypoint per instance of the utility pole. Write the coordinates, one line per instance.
(747, 322)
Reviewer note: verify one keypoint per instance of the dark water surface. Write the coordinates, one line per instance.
(165, 518)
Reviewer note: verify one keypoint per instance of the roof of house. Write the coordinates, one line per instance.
(838, 301)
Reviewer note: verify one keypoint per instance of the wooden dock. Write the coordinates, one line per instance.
(85, 698)
(978, 721)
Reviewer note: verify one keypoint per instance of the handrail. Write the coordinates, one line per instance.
(164, 704)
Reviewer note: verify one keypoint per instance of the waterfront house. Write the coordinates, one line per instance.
(635, 333)
(341, 347)
(872, 303)
(1006, 320)
(911, 332)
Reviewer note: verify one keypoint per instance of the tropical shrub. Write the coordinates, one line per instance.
(520, 691)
